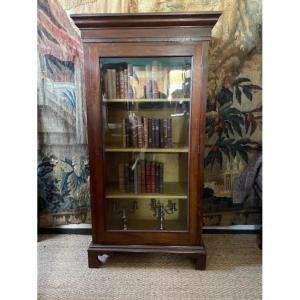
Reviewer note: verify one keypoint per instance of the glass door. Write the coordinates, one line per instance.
(146, 131)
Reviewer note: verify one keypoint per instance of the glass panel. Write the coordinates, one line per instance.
(146, 116)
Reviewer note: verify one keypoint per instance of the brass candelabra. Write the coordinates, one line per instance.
(160, 210)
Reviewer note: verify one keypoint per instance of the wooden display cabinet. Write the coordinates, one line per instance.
(146, 89)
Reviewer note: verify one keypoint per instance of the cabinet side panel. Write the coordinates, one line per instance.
(202, 120)
(92, 87)
(197, 137)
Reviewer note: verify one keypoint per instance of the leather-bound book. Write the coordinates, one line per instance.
(146, 137)
(140, 132)
(150, 144)
(152, 177)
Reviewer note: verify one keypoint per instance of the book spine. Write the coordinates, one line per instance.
(143, 181)
(152, 174)
(124, 139)
(161, 133)
(155, 74)
(161, 177)
(157, 133)
(150, 145)
(165, 132)
(106, 84)
(114, 83)
(122, 84)
(135, 179)
(148, 91)
(153, 127)
(166, 81)
(148, 177)
(156, 177)
(140, 132)
(125, 75)
(118, 84)
(109, 84)
(169, 129)
(121, 178)
(139, 177)
(130, 80)
(134, 133)
(145, 125)
(127, 134)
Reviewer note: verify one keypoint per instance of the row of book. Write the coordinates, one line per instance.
(143, 132)
(143, 177)
(128, 81)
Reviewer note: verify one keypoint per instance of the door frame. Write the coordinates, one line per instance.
(92, 54)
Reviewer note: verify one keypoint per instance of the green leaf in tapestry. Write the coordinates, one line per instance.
(253, 127)
(247, 90)
(224, 96)
(240, 80)
(238, 94)
(219, 158)
(243, 154)
(237, 128)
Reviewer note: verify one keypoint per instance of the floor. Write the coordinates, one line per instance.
(234, 271)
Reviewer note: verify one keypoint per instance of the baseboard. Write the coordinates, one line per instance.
(85, 229)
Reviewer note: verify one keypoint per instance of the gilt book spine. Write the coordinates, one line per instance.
(114, 83)
(140, 132)
(145, 125)
(125, 74)
(122, 84)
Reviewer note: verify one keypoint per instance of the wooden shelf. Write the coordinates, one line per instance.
(156, 150)
(172, 190)
(147, 100)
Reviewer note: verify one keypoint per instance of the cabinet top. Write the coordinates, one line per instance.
(165, 19)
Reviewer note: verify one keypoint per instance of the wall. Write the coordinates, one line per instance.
(234, 112)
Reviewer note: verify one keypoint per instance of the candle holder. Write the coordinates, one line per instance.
(123, 211)
(160, 210)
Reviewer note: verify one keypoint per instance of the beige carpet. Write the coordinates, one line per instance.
(233, 272)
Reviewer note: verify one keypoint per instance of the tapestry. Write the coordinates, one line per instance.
(63, 173)
(234, 109)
